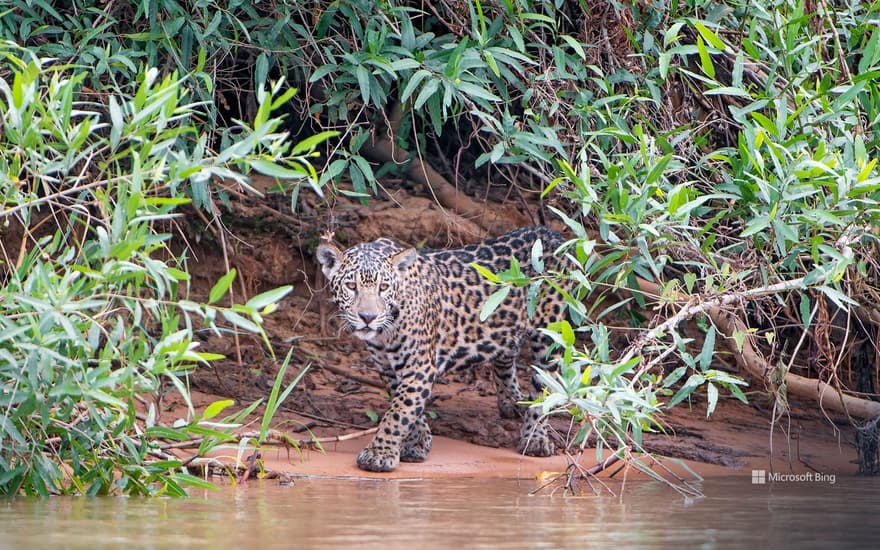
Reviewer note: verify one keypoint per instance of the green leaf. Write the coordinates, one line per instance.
(672, 33)
(275, 400)
(757, 224)
(261, 69)
(848, 94)
(564, 329)
(871, 53)
(738, 66)
(413, 83)
(490, 61)
(689, 280)
(365, 168)
(363, 77)
(493, 301)
(260, 301)
(686, 390)
(805, 310)
(221, 287)
(274, 170)
(675, 376)
(427, 91)
(485, 273)
(712, 395)
(311, 142)
(206, 357)
(163, 432)
(739, 338)
(657, 170)
(710, 36)
(664, 61)
(538, 17)
(216, 408)
(738, 393)
(575, 45)
(473, 90)
(240, 321)
(730, 91)
(193, 481)
(705, 59)
(625, 367)
(839, 298)
(404, 64)
(322, 71)
(538, 256)
(708, 351)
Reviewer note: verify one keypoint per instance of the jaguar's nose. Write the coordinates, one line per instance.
(367, 317)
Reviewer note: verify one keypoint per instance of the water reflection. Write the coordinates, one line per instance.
(467, 513)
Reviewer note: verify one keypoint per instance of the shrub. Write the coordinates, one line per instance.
(94, 312)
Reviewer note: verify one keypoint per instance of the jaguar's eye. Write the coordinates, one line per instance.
(351, 285)
(383, 287)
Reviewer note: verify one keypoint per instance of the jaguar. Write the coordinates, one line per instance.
(418, 313)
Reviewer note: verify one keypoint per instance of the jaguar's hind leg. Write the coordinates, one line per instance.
(535, 434)
(507, 387)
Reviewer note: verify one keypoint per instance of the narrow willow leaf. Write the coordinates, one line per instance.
(221, 287)
(564, 328)
(193, 481)
(538, 256)
(705, 58)
(708, 351)
(805, 308)
(712, 395)
(260, 301)
(486, 273)
(493, 301)
(240, 321)
(311, 142)
(216, 408)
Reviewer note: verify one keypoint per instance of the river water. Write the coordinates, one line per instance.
(463, 513)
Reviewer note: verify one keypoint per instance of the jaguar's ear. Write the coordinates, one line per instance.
(404, 259)
(330, 258)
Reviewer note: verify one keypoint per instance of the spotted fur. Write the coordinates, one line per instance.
(418, 314)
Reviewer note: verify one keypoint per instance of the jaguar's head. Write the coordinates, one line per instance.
(365, 283)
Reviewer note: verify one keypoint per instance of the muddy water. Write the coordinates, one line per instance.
(466, 513)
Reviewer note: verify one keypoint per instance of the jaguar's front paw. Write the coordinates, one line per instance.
(537, 445)
(378, 459)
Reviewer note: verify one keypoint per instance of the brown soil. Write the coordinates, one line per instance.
(340, 395)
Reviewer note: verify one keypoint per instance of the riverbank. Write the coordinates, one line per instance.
(735, 440)
(340, 395)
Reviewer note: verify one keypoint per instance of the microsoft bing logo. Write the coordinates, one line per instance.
(761, 477)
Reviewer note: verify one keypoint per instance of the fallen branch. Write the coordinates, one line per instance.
(602, 466)
(692, 306)
(357, 378)
(273, 437)
(280, 438)
(749, 359)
